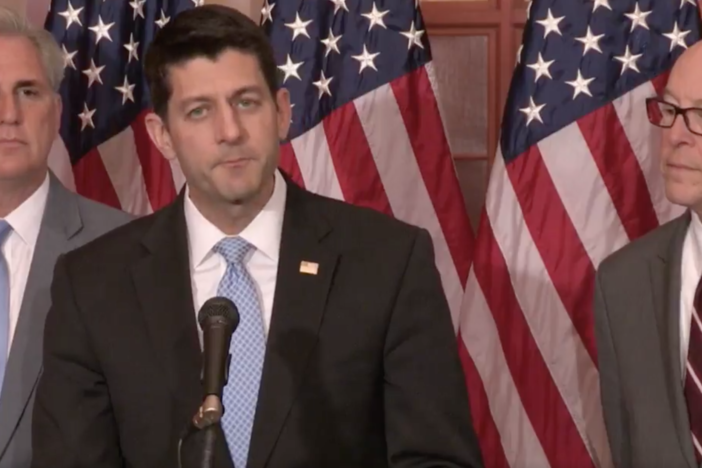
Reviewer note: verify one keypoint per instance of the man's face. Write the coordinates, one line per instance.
(224, 127)
(30, 112)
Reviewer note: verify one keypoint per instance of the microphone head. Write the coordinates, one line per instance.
(219, 308)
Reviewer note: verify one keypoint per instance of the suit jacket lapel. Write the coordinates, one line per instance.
(60, 223)
(298, 308)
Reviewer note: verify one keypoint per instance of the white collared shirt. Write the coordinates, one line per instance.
(18, 248)
(207, 267)
(690, 275)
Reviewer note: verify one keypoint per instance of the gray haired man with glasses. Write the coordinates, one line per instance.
(648, 301)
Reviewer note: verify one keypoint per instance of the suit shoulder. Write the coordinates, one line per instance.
(100, 214)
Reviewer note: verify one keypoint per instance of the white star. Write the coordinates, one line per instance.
(93, 73)
(299, 27)
(127, 91)
(601, 3)
(132, 49)
(72, 16)
(580, 85)
(519, 53)
(638, 17)
(163, 20)
(138, 7)
(414, 36)
(339, 4)
(628, 61)
(86, 117)
(266, 12)
(292, 106)
(533, 111)
(550, 24)
(677, 37)
(591, 41)
(376, 17)
(198, 3)
(101, 30)
(528, 8)
(691, 2)
(541, 68)
(68, 58)
(290, 69)
(366, 59)
(331, 43)
(323, 85)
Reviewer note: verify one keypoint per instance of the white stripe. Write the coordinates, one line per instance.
(697, 444)
(316, 165)
(403, 182)
(60, 164)
(479, 334)
(565, 356)
(645, 142)
(692, 373)
(583, 192)
(119, 155)
(436, 89)
(697, 319)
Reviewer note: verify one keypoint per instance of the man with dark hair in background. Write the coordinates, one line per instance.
(345, 354)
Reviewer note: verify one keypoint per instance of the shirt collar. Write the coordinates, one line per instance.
(25, 220)
(264, 232)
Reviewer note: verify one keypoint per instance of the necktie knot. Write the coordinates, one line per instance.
(233, 249)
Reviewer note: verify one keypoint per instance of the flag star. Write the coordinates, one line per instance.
(519, 53)
(550, 24)
(127, 91)
(376, 17)
(290, 69)
(339, 4)
(292, 106)
(331, 43)
(299, 27)
(198, 3)
(533, 111)
(691, 2)
(591, 41)
(323, 85)
(68, 58)
(72, 16)
(528, 8)
(414, 36)
(541, 68)
(580, 85)
(93, 73)
(101, 30)
(601, 3)
(163, 20)
(132, 49)
(86, 117)
(267, 12)
(638, 17)
(628, 61)
(366, 59)
(138, 7)
(677, 37)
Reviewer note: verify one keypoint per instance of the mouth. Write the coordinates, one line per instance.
(11, 142)
(236, 162)
(679, 167)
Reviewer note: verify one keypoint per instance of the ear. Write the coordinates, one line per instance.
(58, 110)
(159, 135)
(282, 99)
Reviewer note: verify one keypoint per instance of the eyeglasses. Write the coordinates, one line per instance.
(663, 114)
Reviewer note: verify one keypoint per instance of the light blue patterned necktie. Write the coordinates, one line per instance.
(247, 349)
(4, 303)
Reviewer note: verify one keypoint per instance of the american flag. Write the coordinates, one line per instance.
(575, 178)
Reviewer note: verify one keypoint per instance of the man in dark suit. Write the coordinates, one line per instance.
(39, 220)
(345, 355)
(648, 302)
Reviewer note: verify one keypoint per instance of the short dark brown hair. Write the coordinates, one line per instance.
(205, 31)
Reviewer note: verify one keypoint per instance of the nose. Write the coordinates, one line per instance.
(9, 109)
(229, 125)
(678, 133)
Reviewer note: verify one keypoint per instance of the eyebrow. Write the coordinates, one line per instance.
(695, 103)
(29, 83)
(205, 98)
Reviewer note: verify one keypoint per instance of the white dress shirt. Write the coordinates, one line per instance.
(207, 267)
(691, 273)
(19, 247)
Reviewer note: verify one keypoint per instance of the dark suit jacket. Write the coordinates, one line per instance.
(69, 221)
(361, 368)
(637, 328)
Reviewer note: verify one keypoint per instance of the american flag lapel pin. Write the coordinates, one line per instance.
(309, 268)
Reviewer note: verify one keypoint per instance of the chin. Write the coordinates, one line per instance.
(684, 195)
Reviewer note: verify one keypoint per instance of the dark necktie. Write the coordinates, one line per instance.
(693, 375)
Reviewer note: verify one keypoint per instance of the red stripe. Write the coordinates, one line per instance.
(420, 112)
(484, 425)
(288, 164)
(660, 81)
(620, 170)
(542, 401)
(92, 180)
(566, 260)
(158, 176)
(356, 171)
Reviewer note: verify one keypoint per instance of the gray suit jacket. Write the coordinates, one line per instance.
(69, 221)
(637, 323)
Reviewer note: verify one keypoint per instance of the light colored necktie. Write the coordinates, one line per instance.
(247, 349)
(4, 303)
